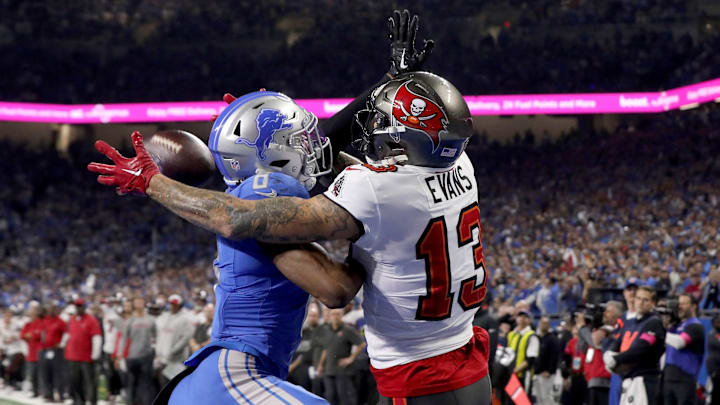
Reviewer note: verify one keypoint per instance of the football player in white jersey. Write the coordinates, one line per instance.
(414, 222)
(420, 242)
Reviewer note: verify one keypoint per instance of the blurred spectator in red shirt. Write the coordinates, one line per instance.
(83, 348)
(51, 362)
(32, 334)
(576, 359)
(695, 288)
(598, 378)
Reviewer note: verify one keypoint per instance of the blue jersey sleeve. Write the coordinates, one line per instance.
(268, 185)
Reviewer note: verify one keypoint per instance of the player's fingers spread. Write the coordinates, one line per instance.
(412, 31)
(404, 23)
(108, 151)
(396, 16)
(229, 98)
(101, 168)
(136, 137)
(107, 180)
(396, 25)
(137, 141)
(428, 45)
(427, 48)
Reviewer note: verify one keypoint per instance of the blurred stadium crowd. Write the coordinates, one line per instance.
(640, 203)
(638, 207)
(142, 345)
(497, 47)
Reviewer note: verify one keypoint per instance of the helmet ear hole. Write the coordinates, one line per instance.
(279, 163)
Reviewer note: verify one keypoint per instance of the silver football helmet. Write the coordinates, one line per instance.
(418, 118)
(266, 131)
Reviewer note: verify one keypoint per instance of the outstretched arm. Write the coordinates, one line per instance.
(275, 220)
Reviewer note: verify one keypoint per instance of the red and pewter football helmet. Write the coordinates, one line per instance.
(417, 117)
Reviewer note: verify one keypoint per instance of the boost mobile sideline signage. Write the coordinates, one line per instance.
(524, 104)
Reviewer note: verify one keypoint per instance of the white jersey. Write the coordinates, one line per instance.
(423, 255)
(10, 341)
(111, 320)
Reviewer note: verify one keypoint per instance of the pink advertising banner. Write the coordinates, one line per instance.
(524, 104)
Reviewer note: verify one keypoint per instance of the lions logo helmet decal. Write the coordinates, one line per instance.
(268, 122)
(418, 112)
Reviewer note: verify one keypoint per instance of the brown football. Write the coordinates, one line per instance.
(181, 156)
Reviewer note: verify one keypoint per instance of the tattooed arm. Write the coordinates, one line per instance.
(275, 220)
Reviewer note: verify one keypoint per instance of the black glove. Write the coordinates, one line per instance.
(401, 31)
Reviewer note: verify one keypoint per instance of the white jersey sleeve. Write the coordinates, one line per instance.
(352, 190)
(422, 252)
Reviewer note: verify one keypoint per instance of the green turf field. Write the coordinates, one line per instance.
(9, 402)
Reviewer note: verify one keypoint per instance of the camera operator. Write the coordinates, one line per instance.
(596, 375)
(667, 311)
(612, 315)
(640, 350)
(685, 346)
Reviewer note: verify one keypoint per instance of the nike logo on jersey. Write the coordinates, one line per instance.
(134, 173)
(448, 185)
(271, 194)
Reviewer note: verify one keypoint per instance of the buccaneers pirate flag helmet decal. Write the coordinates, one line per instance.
(416, 111)
(418, 115)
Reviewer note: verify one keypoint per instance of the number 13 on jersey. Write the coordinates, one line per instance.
(433, 248)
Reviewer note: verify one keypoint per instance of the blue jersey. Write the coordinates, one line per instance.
(258, 310)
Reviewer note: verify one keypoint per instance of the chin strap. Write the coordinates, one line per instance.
(390, 160)
(396, 160)
(231, 182)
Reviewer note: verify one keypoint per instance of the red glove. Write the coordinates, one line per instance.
(227, 98)
(128, 174)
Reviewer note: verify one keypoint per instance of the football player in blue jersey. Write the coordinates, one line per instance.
(265, 146)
